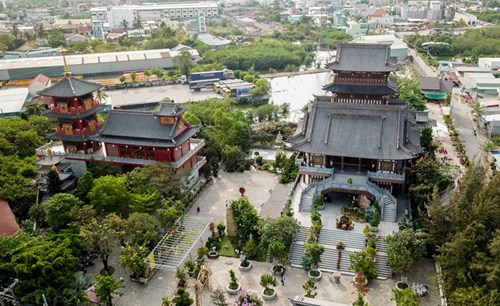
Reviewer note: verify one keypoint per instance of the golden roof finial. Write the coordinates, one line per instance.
(54, 168)
(67, 73)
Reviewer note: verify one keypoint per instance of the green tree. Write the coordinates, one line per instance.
(261, 89)
(405, 297)
(132, 258)
(169, 212)
(102, 168)
(85, 184)
(51, 261)
(158, 176)
(107, 286)
(26, 142)
(124, 24)
(409, 89)
(56, 38)
(145, 199)
(310, 288)
(280, 229)
(426, 139)
(182, 298)
(362, 262)
(245, 216)
(143, 229)
(54, 183)
(101, 95)
(99, 236)
(58, 208)
(399, 257)
(183, 62)
(109, 194)
(233, 158)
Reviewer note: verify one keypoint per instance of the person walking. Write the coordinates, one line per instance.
(283, 279)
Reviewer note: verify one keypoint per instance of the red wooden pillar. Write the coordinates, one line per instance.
(342, 164)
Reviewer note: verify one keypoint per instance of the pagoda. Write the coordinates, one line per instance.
(74, 106)
(362, 74)
(360, 138)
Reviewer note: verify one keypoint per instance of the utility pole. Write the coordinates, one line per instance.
(7, 295)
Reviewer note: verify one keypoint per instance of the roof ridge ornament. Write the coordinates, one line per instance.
(67, 72)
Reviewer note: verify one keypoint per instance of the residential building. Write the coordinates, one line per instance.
(119, 16)
(491, 63)
(434, 88)
(480, 85)
(469, 19)
(213, 41)
(97, 29)
(357, 29)
(39, 83)
(435, 11)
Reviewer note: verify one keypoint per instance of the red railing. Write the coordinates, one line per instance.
(75, 110)
(360, 81)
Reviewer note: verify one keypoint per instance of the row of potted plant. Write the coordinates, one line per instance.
(267, 281)
(456, 141)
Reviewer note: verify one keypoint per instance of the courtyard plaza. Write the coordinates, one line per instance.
(260, 187)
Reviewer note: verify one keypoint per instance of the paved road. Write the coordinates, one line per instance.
(464, 124)
(178, 93)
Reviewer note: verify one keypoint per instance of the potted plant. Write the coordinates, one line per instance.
(190, 265)
(370, 251)
(221, 228)
(233, 287)
(181, 276)
(277, 251)
(374, 222)
(314, 251)
(245, 265)
(320, 202)
(202, 251)
(310, 288)
(361, 262)
(360, 278)
(266, 281)
(306, 263)
(340, 248)
(213, 254)
(246, 297)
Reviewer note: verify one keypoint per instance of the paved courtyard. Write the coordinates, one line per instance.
(261, 188)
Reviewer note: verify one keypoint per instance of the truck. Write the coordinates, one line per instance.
(208, 75)
(200, 84)
(236, 90)
(220, 85)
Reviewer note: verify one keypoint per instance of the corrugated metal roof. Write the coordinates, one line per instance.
(12, 99)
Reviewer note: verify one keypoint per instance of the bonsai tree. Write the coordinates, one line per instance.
(190, 265)
(233, 282)
(221, 228)
(182, 298)
(340, 248)
(314, 251)
(360, 287)
(266, 281)
(218, 298)
(361, 262)
(405, 297)
(181, 276)
(250, 248)
(310, 288)
(202, 251)
(375, 221)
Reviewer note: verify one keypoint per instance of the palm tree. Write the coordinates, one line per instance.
(124, 24)
(101, 95)
(137, 24)
(39, 30)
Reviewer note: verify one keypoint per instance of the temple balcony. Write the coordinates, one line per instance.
(196, 146)
(316, 171)
(80, 132)
(88, 105)
(360, 81)
(72, 114)
(386, 177)
(202, 160)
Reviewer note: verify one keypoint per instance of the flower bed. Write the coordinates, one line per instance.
(345, 223)
(247, 298)
(354, 212)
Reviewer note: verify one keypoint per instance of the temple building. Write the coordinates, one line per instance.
(128, 138)
(360, 138)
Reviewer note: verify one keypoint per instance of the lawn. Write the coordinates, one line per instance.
(228, 246)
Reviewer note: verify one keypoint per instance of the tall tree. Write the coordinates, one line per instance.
(58, 208)
(85, 184)
(143, 229)
(183, 62)
(54, 183)
(109, 194)
(409, 89)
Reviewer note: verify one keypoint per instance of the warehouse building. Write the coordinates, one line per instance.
(90, 64)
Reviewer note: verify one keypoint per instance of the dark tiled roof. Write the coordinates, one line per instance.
(169, 109)
(70, 87)
(85, 114)
(429, 83)
(141, 128)
(72, 138)
(363, 57)
(355, 130)
(435, 84)
(360, 89)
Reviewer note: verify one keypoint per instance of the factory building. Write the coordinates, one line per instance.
(90, 64)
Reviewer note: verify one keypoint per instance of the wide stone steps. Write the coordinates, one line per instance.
(306, 200)
(329, 261)
(329, 238)
(351, 239)
(389, 210)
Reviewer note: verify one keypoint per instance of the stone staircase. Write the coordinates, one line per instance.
(329, 238)
(388, 203)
